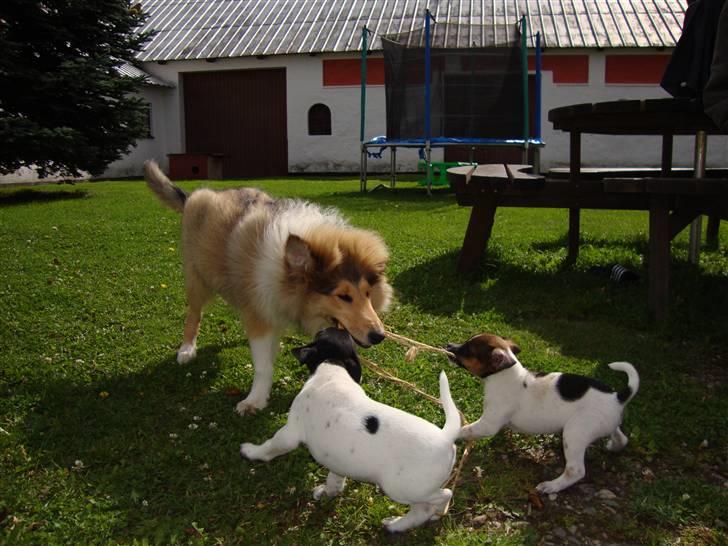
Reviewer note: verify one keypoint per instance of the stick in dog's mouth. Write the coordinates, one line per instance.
(337, 324)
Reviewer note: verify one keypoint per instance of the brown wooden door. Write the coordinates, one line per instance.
(241, 114)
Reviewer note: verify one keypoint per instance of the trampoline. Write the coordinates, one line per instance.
(440, 95)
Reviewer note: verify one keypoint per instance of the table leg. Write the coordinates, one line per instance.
(659, 258)
(711, 236)
(480, 226)
(574, 175)
(701, 141)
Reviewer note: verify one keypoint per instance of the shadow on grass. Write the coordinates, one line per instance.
(22, 197)
(165, 448)
(557, 304)
(160, 450)
(411, 198)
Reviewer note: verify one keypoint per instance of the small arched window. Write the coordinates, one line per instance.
(319, 120)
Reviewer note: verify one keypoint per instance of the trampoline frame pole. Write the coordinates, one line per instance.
(537, 108)
(362, 111)
(524, 80)
(537, 113)
(427, 100)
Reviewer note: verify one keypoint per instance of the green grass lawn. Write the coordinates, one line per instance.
(104, 438)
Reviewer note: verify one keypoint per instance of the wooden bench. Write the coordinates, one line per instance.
(673, 203)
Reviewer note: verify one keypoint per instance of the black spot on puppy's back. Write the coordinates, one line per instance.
(572, 387)
(371, 423)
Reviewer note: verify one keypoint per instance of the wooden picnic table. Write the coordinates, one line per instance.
(673, 200)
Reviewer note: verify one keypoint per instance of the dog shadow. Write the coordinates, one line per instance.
(160, 449)
(161, 446)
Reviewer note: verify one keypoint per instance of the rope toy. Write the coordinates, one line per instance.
(414, 347)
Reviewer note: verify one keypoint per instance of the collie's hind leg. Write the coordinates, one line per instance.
(198, 295)
(264, 348)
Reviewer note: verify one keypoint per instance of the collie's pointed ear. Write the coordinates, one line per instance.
(298, 255)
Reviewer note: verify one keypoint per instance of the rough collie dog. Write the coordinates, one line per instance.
(280, 263)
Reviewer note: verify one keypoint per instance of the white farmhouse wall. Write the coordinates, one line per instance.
(339, 152)
(159, 99)
(607, 150)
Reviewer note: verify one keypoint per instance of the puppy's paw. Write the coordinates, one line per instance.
(250, 405)
(322, 491)
(249, 451)
(393, 525)
(466, 433)
(548, 487)
(186, 353)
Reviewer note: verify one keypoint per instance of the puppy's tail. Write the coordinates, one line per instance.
(452, 415)
(633, 381)
(168, 193)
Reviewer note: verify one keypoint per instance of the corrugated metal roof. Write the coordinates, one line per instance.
(132, 71)
(203, 29)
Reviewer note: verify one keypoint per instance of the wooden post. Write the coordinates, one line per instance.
(479, 229)
(574, 175)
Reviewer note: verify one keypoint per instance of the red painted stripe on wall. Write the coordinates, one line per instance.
(565, 68)
(348, 72)
(635, 68)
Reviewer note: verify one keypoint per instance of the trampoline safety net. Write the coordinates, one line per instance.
(475, 92)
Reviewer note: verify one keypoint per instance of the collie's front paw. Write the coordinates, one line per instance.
(251, 405)
(186, 353)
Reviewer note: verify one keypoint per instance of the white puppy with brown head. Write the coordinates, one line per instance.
(356, 437)
(583, 408)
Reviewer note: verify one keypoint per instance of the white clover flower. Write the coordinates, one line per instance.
(145, 503)
(173, 435)
(196, 418)
(212, 424)
(192, 426)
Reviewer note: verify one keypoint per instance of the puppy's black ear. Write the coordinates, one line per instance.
(353, 366)
(308, 355)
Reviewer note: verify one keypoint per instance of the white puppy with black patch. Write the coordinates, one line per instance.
(535, 403)
(356, 437)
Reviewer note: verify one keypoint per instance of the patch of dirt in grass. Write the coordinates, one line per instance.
(599, 510)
